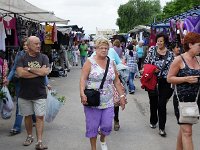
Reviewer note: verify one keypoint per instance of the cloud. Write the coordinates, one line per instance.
(88, 14)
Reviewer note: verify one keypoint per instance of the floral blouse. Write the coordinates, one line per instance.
(94, 80)
(154, 58)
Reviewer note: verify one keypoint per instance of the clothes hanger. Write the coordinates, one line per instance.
(5, 15)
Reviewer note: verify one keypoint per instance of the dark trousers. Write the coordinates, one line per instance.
(116, 110)
(158, 102)
(140, 64)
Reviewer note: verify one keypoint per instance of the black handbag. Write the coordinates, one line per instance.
(93, 96)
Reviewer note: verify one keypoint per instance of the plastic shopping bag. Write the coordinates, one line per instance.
(52, 107)
(7, 104)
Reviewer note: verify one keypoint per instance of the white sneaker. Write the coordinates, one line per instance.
(103, 146)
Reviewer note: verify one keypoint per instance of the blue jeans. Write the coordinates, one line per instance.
(83, 59)
(18, 118)
(130, 81)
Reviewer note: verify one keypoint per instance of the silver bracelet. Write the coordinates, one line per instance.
(122, 96)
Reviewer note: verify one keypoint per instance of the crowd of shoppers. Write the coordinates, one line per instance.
(173, 68)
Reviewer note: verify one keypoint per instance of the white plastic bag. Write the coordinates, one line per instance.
(7, 104)
(52, 107)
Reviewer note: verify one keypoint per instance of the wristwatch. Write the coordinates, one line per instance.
(29, 69)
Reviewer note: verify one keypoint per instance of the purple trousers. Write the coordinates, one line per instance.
(98, 118)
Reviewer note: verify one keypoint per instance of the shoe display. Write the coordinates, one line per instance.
(153, 126)
(162, 133)
(104, 146)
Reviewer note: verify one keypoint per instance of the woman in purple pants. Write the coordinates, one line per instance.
(100, 117)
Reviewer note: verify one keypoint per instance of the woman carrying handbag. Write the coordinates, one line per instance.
(184, 72)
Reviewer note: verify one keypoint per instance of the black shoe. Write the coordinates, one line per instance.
(14, 132)
(162, 133)
(153, 126)
(132, 92)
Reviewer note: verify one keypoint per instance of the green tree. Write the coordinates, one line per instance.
(176, 7)
(137, 12)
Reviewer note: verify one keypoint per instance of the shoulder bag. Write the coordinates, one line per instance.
(188, 111)
(93, 95)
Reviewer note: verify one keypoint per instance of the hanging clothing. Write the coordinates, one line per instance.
(152, 41)
(11, 31)
(48, 34)
(192, 24)
(2, 36)
(54, 33)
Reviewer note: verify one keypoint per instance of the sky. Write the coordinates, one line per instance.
(89, 14)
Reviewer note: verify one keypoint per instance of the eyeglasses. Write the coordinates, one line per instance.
(101, 48)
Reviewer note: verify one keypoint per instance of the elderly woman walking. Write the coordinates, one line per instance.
(91, 76)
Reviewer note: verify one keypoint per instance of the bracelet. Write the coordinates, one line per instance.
(122, 96)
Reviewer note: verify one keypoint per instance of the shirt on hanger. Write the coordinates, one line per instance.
(48, 34)
(2, 36)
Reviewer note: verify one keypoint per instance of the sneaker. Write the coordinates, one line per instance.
(153, 126)
(104, 146)
(132, 92)
(162, 133)
(14, 132)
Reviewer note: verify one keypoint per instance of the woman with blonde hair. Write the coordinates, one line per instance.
(184, 72)
(91, 77)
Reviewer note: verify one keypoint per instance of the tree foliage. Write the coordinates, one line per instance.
(176, 7)
(137, 12)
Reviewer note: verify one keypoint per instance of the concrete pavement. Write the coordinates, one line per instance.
(67, 131)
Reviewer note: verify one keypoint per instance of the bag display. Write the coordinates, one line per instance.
(188, 111)
(93, 96)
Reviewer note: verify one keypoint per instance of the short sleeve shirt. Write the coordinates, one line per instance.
(83, 49)
(33, 88)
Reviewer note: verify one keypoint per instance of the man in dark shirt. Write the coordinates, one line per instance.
(32, 69)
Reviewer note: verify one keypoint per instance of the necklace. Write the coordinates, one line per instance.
(162, 51)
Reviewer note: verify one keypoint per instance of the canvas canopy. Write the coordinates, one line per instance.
(29, 11)
(140, 28)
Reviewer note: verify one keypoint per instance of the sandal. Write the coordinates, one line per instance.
(28, 141)
(40, 146)
(14, 132)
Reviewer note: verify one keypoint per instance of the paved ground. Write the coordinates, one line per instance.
(67, 132)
